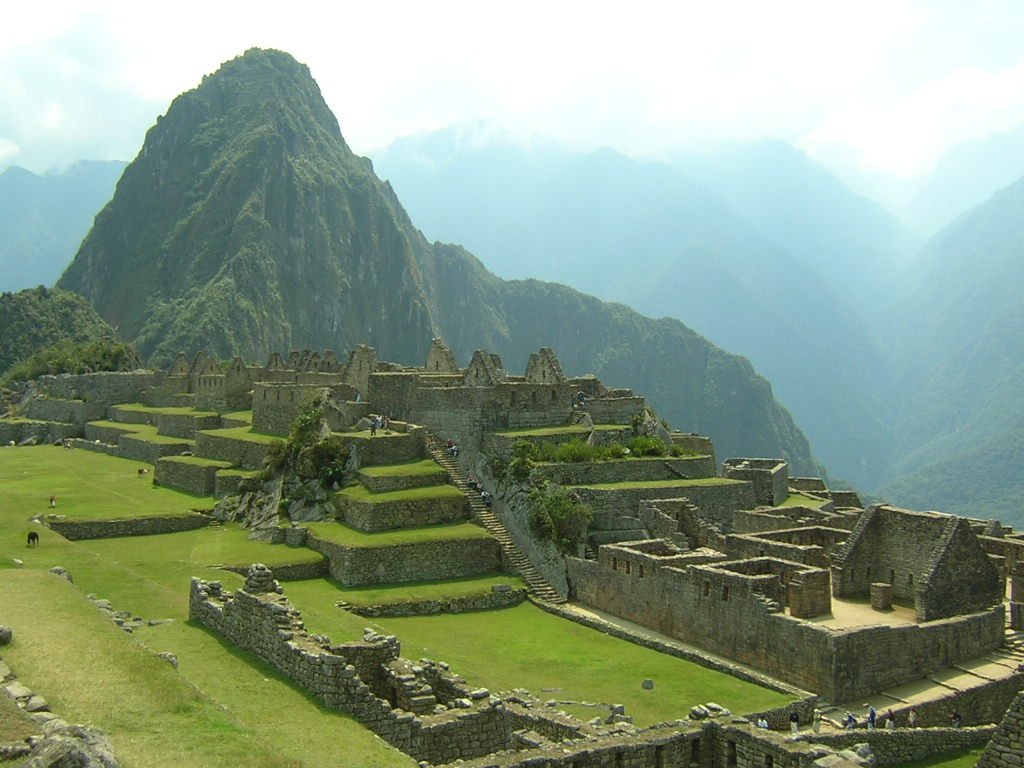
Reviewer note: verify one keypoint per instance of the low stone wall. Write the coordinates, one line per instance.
(95, 446)
(141, 449)
(626, 470)
(41, 431)
(445, 559)
(291, 571)
(247, 454)
(484, 602)
(76, 530)
(369, 516)
(185, 425)
(386, 483)
(73, 411)
(105, 387)
(717, 500)
(348, 677)
(188, 476)
(905, 745)
(105, 433)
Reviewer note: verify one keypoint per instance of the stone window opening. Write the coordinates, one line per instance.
(628, 564)
(695, 751)
(615, 564)
(659, 756)
(707, 588)
(910, 579)
(769, 761)
(730, 753)
(892, 576)
(725, 593)
(641, 570)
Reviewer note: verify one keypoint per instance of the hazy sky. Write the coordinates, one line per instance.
(876, 87)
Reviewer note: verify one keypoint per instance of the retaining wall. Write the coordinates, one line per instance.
(369, 515)
(189, 476)
(141, 526)
(385, 483)
(626, 470)
(483, 602)
(247, 454)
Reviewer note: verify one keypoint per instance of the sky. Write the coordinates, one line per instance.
(872, 88)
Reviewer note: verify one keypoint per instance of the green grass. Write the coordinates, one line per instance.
(339, 533)
(15, 723)
(92, 672)
(245, 416)
(524, 647)
(199, 461)
(164, 410)
(423, 493)
(326, 591)
(147, 432)
(964, 759)
(88, 486)
(409, 469)
(700, 482)
(244, 433)
(800, 500)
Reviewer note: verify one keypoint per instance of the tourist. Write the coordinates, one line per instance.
(762, 722)
(912, 718)
(816, 720)
(890, 720)
(850, 722)
(872, 717)
(794, 722)
(956, 719)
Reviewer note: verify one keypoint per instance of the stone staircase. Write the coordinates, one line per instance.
(537, 585)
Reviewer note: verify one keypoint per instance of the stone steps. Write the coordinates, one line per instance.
(537, 585)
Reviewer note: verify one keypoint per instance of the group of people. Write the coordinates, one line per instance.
(380, 422)
(452, 448)
(849, 722)
(475, 485)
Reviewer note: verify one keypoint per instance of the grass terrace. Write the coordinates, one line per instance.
(147, 432)
(339, 533)
(88, 486)
(801, 500)
(680, 483)
(198, 461)
(244, 433)
(330, 592)
(409, 469)
(164, 410)
(566, 429)
(424, 493)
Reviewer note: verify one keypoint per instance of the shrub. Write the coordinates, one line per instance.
(647, 446)
(557, 515)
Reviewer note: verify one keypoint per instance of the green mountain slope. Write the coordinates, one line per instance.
(36, 318)
(247, 225)
(957, 345)
(44, 218)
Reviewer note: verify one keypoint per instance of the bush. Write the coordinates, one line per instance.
(647, 446)
(557, 515)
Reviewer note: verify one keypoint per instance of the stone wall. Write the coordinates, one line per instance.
(109, 388)
(141, 449)
(384, 448)
(1007, 745)
(372, 515)
(386, 483)
(626, 470)
(810, 545)
(905, 745)
(230, 482)
(18, 431)
(444, 559)
(74, 411)
(275, 406)
(483, 602)
(615, 410)
(770, 478)
(76, 530)
(185, 425)
(741, 616)
(247, 454)
(199, 478)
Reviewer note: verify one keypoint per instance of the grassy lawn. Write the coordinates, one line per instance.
(800, 500)
(523, 647)
(325, 591)
(145, 432)
(244, 433)
(165, 410)
(88, 486)
(423, 493)
(965, 759)
(338, 533)
(701, 481)
(199, 461)
(92, 672)
(409, 469)
(245, 416)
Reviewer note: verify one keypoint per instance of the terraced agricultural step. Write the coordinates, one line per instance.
(536, 584)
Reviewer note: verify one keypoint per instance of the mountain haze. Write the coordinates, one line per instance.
(646, 234)
(960, 366)
(44, 218)
(247, 225)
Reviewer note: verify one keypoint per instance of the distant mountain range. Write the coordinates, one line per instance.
(44, 218)
(649, 235)
(247, 225)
